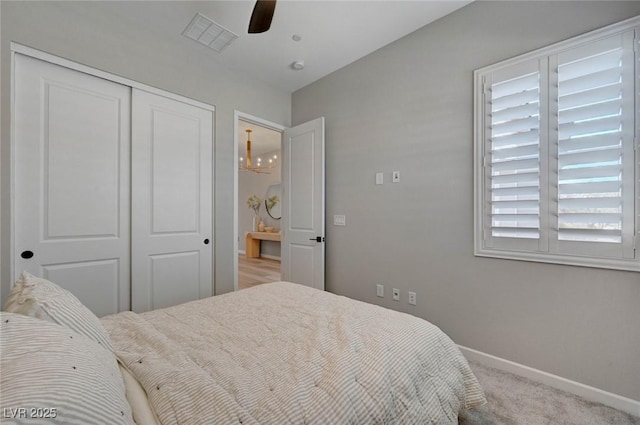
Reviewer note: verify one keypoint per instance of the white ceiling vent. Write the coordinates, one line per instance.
(211, 34)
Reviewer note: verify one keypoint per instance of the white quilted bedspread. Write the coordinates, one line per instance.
(283, 353)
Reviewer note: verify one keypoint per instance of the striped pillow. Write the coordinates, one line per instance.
(53, 375)
(40, 298)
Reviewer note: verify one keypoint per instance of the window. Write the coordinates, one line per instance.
(556, 162)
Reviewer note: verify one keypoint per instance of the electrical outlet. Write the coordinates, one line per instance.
(412, 298)
(396, 294)
(380, 291)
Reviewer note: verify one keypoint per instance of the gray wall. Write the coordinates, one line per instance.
(115, 37)
(408, 107)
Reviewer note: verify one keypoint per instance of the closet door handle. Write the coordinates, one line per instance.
(206, 241)
(26, 254)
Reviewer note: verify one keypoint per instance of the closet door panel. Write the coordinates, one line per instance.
(175, 278)
(175, 173)
(103, 275)
(171, 202)
(72, 183)
(87, 206)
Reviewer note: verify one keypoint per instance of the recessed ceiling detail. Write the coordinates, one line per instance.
(209, 33)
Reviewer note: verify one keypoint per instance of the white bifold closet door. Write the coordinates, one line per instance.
(171, 202)
(71, 182)
(112, 189)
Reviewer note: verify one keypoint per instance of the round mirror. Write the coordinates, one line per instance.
(272, 200)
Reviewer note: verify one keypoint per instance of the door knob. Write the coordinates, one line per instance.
(206, 241)
(317, 239)
(26, 254)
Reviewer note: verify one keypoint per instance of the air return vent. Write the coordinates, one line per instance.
(211, 34)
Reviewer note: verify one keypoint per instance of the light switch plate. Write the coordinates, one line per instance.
(395, 177)
(379, 178)
(339, 220)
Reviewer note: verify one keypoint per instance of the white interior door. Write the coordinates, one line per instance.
(171, 202)
(303, 204)
(71, 170)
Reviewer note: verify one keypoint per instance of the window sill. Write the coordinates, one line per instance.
(611, 264)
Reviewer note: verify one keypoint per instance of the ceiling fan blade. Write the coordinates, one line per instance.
(261, 16)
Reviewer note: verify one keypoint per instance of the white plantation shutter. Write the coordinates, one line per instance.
(556, 167)
(514, 156)
(512, 102)
(595, 130)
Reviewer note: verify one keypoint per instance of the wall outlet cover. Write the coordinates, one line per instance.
(396, 294)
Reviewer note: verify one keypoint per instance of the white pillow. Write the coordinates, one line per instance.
(37, 297)
(57, 376)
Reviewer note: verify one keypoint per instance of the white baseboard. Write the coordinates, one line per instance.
(271, 257)
(585, 391)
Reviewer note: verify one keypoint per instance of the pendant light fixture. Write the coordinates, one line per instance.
(247, 164)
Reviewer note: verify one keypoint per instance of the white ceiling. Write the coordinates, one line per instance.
(334, 32)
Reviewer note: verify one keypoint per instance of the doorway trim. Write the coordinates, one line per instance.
(237, 116)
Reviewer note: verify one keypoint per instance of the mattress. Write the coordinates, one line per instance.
(283, 353)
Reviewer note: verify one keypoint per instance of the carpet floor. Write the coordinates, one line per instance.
(514, 400)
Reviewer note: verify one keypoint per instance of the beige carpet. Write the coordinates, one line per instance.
(513, 400)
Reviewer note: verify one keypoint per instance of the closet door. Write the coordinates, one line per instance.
(71, 182)
(171, 202)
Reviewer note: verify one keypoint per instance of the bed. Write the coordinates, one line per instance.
(277, 353)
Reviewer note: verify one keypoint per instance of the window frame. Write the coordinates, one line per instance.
(521, 249)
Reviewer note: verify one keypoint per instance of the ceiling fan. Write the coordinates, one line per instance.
(261, 16)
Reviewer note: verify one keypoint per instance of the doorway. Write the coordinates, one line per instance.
(257, 198)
